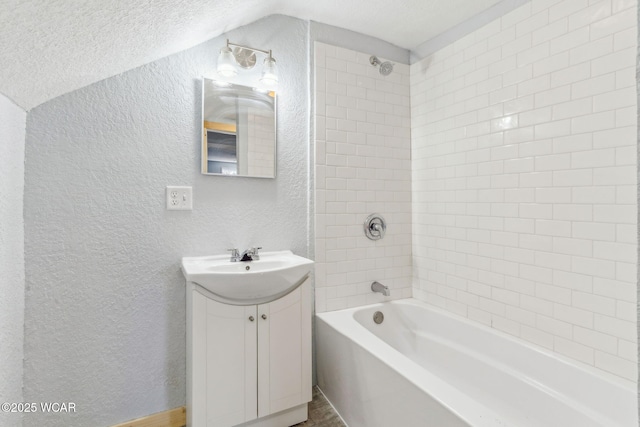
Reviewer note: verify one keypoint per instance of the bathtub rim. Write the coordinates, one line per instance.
(470, 411)
(343, 322)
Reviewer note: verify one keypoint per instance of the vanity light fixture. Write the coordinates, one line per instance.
(245, 57)
(226, 67)
(269, 78)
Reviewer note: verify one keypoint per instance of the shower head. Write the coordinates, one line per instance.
(385, 67)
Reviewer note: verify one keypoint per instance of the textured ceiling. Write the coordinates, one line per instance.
(51, 47)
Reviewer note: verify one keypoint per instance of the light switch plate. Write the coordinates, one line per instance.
(179, 198)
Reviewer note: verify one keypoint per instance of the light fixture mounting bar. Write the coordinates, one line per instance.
(266, 52)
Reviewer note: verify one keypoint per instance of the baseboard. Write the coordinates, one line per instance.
(176, 417)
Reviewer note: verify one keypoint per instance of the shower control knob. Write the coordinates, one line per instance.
(375, 227)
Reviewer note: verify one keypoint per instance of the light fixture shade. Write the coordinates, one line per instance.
(269, 78)
(226, 63)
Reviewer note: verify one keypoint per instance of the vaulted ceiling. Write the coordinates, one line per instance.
(51, 47)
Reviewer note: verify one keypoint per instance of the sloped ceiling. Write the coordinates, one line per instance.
(51, 47)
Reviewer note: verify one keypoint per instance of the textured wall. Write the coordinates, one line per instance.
(362, 166)
(105, 309)
(12, 137)
(524, 178)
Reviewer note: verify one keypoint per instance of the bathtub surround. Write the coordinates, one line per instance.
(362, 166)
(535, 237)
(524, 178)
(339, 37)
(12, 137)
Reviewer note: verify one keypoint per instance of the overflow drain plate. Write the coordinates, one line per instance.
(378, 317)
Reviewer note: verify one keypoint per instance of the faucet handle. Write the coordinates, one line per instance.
(235, 255)
(254, 253)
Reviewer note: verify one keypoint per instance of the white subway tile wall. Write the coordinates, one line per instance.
(524, 178)
(362, 166)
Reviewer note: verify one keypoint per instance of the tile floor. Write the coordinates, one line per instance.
(321, 414)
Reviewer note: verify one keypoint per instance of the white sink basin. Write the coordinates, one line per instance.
(248, 282)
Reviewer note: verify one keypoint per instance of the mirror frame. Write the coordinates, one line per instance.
(204, 147)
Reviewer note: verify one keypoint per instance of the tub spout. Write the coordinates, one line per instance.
(379, 287)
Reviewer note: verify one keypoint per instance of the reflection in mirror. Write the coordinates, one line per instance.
(239, 130)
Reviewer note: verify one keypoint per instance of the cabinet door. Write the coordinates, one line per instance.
(231, 364)
(284, 352)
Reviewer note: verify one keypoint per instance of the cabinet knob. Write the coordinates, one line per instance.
(251, 318)
(264, 316)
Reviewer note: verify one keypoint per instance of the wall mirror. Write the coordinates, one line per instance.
(239, 130)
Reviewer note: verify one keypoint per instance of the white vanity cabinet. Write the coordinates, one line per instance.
(248, 365)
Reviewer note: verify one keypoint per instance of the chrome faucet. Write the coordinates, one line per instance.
(379, 287)
(248, 255)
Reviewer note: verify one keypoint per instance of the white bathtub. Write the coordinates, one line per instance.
(424, 367)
